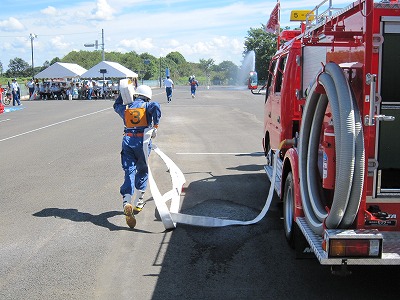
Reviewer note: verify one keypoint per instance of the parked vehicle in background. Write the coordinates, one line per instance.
(6, 96)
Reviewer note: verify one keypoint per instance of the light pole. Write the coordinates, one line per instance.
(96, 45)
(32, 36)
(160, 70)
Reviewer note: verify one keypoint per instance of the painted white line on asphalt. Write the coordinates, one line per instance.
(216, 153)
(54, 124)
(5, 120)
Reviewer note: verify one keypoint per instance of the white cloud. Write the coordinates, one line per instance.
(103, 11)
(174, 43)
(11, 24)
(138, 45)
(58, 43)
(49, 10)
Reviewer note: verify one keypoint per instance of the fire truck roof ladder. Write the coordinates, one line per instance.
(314, 17)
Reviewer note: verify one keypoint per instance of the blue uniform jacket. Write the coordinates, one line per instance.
(153, 112)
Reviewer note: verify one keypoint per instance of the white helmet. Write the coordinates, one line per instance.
(145, 91)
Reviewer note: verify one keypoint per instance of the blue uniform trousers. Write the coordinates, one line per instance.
(134, 165)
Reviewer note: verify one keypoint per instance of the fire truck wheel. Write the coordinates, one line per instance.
(288, 210)
(267, 146)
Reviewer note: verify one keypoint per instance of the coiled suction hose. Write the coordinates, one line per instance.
(350, 153)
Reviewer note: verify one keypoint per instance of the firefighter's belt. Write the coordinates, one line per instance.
(133, 134)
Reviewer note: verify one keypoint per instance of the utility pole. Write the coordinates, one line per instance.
(32, 36)
(102, 45)
(96, 45)
(160, 71)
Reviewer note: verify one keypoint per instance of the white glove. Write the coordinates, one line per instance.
(154, 133)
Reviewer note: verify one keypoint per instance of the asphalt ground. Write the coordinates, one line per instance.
(63, 234)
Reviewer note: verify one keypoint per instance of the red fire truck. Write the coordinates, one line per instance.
(332, 111)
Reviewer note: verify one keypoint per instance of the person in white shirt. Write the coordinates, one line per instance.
(90, 89)
(15, 91)
(31, 87)
(169, 85)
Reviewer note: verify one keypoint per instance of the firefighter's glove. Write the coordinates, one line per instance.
(154, 133)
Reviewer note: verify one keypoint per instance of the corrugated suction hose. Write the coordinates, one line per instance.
(350, 155)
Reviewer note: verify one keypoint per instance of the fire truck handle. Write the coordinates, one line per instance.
(371, 80)
(384, 118)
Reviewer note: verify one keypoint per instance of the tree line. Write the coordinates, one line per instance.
(147, 66)
(150, 67)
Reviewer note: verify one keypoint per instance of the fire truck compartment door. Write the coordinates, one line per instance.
(389, 132)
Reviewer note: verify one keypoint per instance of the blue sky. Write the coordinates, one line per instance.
(197, 29)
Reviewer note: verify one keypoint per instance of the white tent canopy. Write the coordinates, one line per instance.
(61, 70)
(109, 69)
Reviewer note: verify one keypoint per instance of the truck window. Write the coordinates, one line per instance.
(279, 74)
(271, 73)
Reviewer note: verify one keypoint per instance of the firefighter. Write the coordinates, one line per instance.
(169, 85)
(193, 85)
(137, 116)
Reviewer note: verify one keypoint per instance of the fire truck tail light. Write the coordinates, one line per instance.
(354, 248)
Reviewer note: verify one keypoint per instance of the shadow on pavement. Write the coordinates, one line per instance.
(74, 215)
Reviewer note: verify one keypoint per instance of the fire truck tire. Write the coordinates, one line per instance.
(288, 210)
(267, 146)
(349, 152)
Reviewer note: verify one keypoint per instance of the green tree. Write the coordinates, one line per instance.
(176, 57)
(131, 60)
(86, 59)
(226, 72)
(148, 64)
(18, 68)
(178, 64)
(180, 68)
(54, 60)
(206, 65)
(264, 45)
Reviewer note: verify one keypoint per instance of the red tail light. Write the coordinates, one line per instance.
(355, 248)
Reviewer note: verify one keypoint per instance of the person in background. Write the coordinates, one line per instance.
(169, 85)
(75, 91)
(1, 99)
(15, 91)
(36, 91)
(31, 87)
(69, 91)
(1, 94)
(137, 116)
(90, 89)
(193, 85)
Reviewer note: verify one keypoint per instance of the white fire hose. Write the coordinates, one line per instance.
(171, 216)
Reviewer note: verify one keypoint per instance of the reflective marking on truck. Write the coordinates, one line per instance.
(380, 223)
(308, 250)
